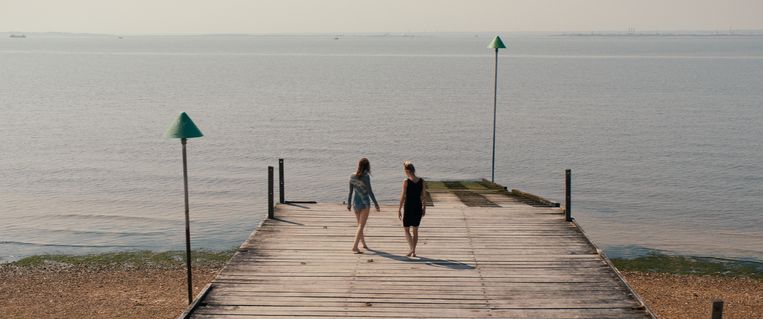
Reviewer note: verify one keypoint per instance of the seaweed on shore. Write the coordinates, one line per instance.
(126, 260)
(687, 265)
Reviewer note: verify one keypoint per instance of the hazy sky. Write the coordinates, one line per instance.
(336, 16)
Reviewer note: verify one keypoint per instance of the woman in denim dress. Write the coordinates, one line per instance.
(359, 200)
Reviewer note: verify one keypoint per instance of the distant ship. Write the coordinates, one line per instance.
(19, 36)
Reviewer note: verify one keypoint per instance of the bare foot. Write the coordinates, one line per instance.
(413, 254)
(356, 251)
(409, 254)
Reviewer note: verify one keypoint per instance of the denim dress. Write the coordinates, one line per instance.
(361, 194)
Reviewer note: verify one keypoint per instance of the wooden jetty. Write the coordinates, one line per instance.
(483, 253)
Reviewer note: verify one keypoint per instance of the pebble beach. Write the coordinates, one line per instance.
(51, 289)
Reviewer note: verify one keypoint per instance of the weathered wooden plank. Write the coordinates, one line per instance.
(408, 312)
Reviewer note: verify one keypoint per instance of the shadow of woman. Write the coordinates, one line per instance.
(434, 262)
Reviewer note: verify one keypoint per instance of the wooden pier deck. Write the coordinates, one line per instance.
(502, 258)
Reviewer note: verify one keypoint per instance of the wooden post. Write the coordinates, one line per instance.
(271, 204)
(568, 195)
(717, 309)
(281, 196)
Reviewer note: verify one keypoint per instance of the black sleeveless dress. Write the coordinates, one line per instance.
(412, 213)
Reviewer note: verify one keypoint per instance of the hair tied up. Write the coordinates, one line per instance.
(409, 166)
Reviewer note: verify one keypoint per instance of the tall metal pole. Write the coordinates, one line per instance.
(495, 103)
(187, 225)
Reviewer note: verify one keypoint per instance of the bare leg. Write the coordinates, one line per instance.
(362, 236)
(363, 217)
(409, 240)
(415, 241)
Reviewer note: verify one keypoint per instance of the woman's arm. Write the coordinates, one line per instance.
(349, 197)
(402, 200)
(371, 192)
(423, 198)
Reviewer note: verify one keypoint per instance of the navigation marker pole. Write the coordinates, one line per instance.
(496, 44)
(184, 128)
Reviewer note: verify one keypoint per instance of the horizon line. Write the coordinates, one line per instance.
(560, 32)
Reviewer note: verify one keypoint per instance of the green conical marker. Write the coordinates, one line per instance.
(496, 44)
(183, 127)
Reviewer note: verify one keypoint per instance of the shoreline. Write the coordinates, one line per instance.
(690, 265)
(145, 284)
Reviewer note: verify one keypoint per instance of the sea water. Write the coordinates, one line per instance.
(663, 134)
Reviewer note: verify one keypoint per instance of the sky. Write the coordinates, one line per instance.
(366, 16)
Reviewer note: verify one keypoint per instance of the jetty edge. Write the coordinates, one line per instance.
(484, 252)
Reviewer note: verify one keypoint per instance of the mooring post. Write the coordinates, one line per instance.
(281, 196)
(271, 204)
(717, 309)
(568, 195)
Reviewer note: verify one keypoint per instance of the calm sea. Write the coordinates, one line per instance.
(663, 134)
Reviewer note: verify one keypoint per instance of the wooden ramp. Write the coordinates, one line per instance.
(511, 260)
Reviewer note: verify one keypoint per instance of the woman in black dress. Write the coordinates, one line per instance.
(415, 206)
